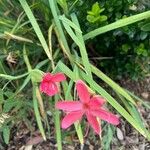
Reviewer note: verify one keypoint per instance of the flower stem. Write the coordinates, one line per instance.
(57, 126)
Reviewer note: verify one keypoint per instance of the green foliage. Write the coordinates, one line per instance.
(140, 50)
(36, 75)
(18, 108)
(108, 137)
(6, 134)
(120, 45)
(146, 27)
(36, 40)
(63, 4)
(94, 16)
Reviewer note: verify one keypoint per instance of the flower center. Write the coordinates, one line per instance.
(86, 106)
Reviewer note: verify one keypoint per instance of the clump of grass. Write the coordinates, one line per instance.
(38, 49)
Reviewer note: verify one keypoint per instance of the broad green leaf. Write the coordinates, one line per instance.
(103, 18)
(6, 134)
(91, 19)
(108, 137)
(1, 97)
(146, 27)
(90, 13)
(96, 8)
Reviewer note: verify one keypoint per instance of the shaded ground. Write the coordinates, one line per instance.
(126, 137)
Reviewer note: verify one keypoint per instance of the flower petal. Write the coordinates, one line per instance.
(82, 91)
(69, 105)
(50, 89)
(71, 118)
(107, 116)
(43, 86)
(97, 100)
(58, 77)
(47, 77)
(94, 123)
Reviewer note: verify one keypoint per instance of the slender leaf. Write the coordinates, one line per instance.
(108, 97)
(83, 51)
(6, 134)
(70, 23)
(37, 113)
(9, 77)
(139, 99)
(54, 10)
(35, 26)
(116, 105)
(112, 84)
(79, 41)
(117, 24)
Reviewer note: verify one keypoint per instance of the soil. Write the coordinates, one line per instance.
(126, 137)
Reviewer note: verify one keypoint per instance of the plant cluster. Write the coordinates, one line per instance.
(40, 36)
(126, 49)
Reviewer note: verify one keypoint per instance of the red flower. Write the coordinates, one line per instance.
(89, 106)
(48, 84)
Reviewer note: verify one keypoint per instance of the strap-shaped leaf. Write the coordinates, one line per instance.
(107, 96)
(117, 24)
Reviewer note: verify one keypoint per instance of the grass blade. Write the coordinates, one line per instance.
(116, 105)
(35, 26)
(68, 96)
(9, 77)
(37, 113)
(78, 39)
(108, 97)
(54, 9)
(117, 24)
(139, 99)
(112, 84)
(70, 23)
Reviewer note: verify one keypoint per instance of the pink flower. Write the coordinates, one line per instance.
(91, 107)
(49, 83)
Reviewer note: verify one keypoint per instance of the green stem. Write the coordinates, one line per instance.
(57, 126)
(26, 59)
(36, 111)
(13, 77)
(50, 44)
(36, 99)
